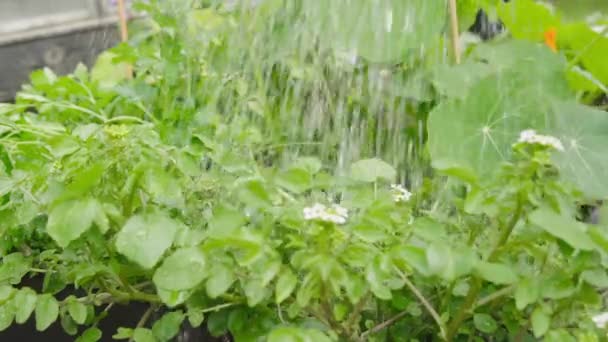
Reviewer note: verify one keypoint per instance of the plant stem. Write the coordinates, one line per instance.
(352, 318)
(383, 325)
(454, 30)
(470, 299)
(144, 319)
(495, 295)
(427, 305)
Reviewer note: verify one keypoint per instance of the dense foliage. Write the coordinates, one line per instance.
(288, 174)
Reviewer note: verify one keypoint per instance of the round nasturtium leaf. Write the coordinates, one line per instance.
(471, 136)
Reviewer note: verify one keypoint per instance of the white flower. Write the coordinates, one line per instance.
(529, 136)
(600, 320)
(335, 214)
(400, 193)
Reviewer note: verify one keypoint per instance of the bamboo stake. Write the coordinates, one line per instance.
(124, 31)
(122, 14)
(454, 30)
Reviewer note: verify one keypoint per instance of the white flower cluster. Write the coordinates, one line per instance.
(400, 193)
(530, 136)
(600, 320)
(335, 214)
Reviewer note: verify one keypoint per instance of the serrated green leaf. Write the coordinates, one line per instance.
(7, 313)
(286, 284)
(69, 220)
(182, 270)
(46, 312)
(78, 311)
(195, 318)
(168, 326)
(541, 322)
(527, 292)
(496, 273)
(564, 228)
(143, 335)
(295, 180)
(145, 238)
(449, 263)
(90, 335)
(485, 323)
(25, 303)
(123, 334)
(371, 170)
(217, 323)
(220, 280)
(597, 277)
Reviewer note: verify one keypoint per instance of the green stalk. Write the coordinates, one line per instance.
(471, 297)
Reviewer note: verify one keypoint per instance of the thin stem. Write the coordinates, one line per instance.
(454, 30)
(143, 320)
(352, 318)
(495, 295)
(471, 297)
(383, 325)
(427, 305)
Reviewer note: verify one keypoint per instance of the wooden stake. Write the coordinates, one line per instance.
(454, 29)
(122, 15)
(124, 31)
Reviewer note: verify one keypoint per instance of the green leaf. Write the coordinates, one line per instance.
(286, 334)
(559, 335)
(472, 136)
(295, 180)
(558, 286)
(527, 292)
(311, 164)
(254, 194)
(173, 298)
(541, 322)
(369, 233)
(164, 188)
(583, 132)
(6, 293)
(143, 335)
(371, 170)
(411, 256)
(496, 273)
(225, 221)
(78, 311)
(182, 270)
(485, 323)
(564, 228)
(69, 220)
(527, 19)
(597, 277)
(220, 280)
(255, 291)
(123, 334)
(90, 335)
(450, 263)
(217, 323)
(25, 302)
(195, 318)
(145, 238)
(46, 312)
(286, 284)
(7, 313)
(168, 326)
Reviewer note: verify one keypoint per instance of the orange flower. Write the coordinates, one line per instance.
(551, 38)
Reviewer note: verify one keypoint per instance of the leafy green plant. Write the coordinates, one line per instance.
(223, 185)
